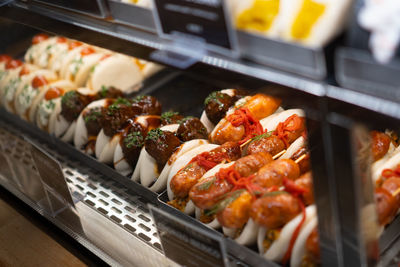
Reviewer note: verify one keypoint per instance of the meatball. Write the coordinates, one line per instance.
(161, 144)
(132, 141)
(170, 117)
(92, 120)
(147, 105)
(115, 116)
(72, 104)
(275, 209)
(191, 128)
(109, 92)
(217, 104)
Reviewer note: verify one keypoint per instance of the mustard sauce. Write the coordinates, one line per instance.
(259, 17)
(309, 14)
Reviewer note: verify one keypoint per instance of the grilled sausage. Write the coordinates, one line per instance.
(275, 209)
(386, 206)
(305, 182)
(273, 173)
(186, 178)
(272, 145)
(380, 144)
(237, 213)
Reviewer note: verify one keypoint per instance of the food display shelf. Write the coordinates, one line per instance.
(216, 68)
(118, 206)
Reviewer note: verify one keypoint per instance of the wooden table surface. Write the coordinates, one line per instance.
(27, 239)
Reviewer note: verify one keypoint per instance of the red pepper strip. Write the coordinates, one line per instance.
(208, 160)
(293, 188)
(290, 124)
(387, 173)
(295, 234)
(252, 126)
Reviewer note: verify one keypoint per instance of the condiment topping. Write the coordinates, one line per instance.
(243, 117)
(13, 64)
(53, 92)
(39, 81)
(38, 38)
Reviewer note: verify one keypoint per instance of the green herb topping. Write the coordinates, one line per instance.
(185, 119)
(232, 196)
(166, 116)
(206, 185)
(138, 98)
(67, 99)
(92, 116)
(134, 139)
(116, 105)
(154, 134)
(103, 91)
(214, 96)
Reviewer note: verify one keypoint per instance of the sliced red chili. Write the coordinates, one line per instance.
(39, 81)
(38, 38)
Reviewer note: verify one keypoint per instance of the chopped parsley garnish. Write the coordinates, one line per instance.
(154, 134)
(207, 185)
(116, 105)
(185, 119)
(214, 96)
(103, 91)
(50, 105)
(261, 136)
(92, 69)
(232, 196)
(138, 98)
(68, 99)
(134, 139)
(168, 115)
(92, 116)
(78, 63)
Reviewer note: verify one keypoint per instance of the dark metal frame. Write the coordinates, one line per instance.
(332, 115)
